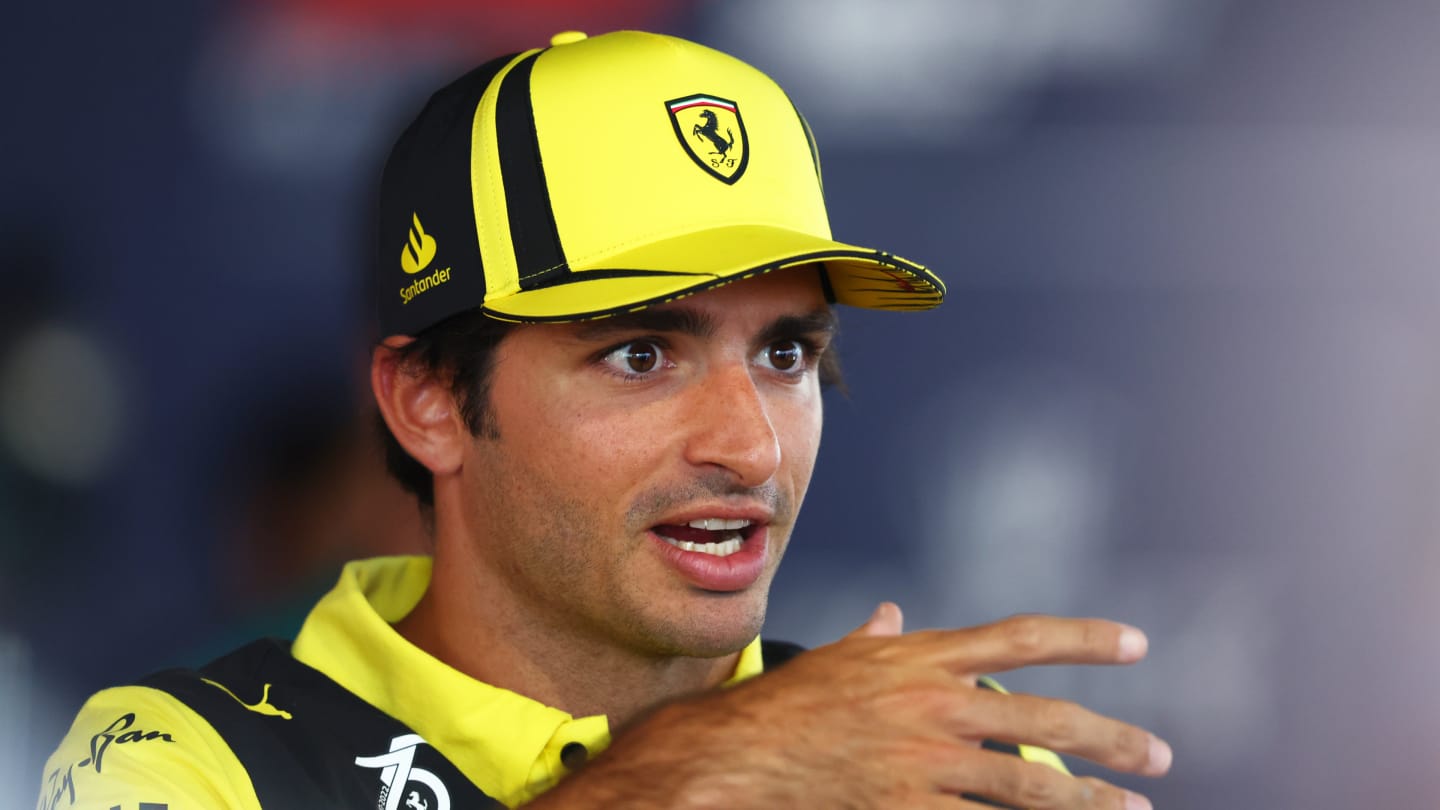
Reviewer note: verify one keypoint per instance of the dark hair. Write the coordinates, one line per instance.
(461, 348)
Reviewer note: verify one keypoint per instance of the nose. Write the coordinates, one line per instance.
(731, 427)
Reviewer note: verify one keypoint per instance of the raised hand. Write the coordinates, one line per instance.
(884, 719)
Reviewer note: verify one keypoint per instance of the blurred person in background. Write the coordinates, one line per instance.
(605, 280)
(306, 491)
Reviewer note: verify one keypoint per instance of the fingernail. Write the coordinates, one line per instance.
(1133, 644)
(1134, 801)
(1160, 756)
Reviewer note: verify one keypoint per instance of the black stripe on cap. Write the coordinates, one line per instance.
(810, 142)
(427, 175)
(533, 233)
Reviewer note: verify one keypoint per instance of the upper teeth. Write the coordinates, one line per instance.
(718, 524)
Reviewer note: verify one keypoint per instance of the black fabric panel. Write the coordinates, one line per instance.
(775, 653)
(428, 174)
(533, 232)
(306, 761)
(814, 150)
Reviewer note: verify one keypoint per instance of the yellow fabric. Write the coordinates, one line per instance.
(114, 756)
(492, 220)
(622, 180)
(712, 256)
(507, 744)
(618, 175)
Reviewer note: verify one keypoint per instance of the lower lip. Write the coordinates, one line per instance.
(709, 572)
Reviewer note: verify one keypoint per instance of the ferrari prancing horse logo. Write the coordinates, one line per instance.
(710, 129)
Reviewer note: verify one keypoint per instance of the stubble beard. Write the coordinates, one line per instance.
(602, 590)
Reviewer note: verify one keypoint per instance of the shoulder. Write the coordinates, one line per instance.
(136, 744)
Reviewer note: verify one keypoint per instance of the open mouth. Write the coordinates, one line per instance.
(718, 537)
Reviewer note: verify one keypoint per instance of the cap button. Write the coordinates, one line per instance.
(567, 37)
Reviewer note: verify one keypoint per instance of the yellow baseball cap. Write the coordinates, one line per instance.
(604, 174)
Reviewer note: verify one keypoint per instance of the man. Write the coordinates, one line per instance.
(606, 278)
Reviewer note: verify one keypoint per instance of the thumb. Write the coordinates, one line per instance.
(887, 620)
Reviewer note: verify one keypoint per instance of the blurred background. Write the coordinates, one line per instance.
(1186, 377)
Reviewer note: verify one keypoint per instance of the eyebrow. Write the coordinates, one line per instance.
(702, 324)
(818, 322)
(685, 321)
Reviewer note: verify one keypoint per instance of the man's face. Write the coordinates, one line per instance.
(649, 468)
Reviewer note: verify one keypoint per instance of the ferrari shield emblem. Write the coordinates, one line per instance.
(712, 134)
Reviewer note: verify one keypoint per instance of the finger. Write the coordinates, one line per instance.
(1014, 782)
(953, 803)
(1022, 641)
(941, 802)
(887, 620)
(1061, 726)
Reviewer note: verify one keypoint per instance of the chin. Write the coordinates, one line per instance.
(713, 630)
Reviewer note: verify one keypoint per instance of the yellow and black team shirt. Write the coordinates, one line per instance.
(351, 715)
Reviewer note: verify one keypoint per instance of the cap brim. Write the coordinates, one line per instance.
(673, 268)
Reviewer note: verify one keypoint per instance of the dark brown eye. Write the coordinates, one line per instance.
(637, 357)
(786, 355)
(641, 357)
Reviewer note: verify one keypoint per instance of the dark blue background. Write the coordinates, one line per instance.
(1185, 377)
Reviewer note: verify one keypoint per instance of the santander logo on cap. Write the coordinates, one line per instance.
(419, 251)
(416, 256)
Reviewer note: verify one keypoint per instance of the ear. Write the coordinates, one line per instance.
(419, 409)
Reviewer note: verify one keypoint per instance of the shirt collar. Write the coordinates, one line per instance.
(507, 744)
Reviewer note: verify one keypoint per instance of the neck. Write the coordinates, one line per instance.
(467, 620)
